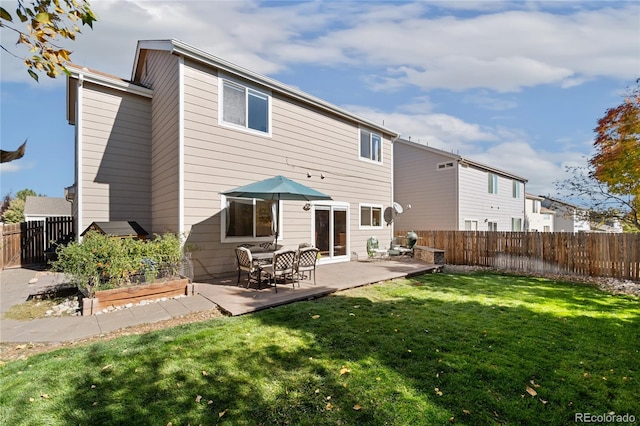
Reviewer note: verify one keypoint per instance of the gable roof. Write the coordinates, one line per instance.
(46, 206)
(93, 76)
(118, 228)
(185, 50)
(533, 197)
(463, 160)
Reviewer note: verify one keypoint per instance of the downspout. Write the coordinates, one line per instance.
(457, 197)
(181, 149)
(524, 207)
(393, 180)
(79, 151)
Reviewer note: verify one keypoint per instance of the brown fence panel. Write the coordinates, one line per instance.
(10, 244)
(33, 237)
(24, 244)
(58, 229)
(589, 254)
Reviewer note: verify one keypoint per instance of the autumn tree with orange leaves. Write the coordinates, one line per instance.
(617, 158)
(40, 25)
(611, 181)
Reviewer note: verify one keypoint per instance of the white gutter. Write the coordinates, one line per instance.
(112, 82)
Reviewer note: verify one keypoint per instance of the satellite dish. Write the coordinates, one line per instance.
(397, 208)
(389, 215)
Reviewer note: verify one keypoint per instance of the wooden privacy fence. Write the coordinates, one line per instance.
(25, 243)
(589, 254)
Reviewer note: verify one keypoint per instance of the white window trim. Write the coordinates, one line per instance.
(535, 206)
(332, 204)
(470, 220)
(369, 160)
(372, 206)
(245, 128)
(446, 164)
(515, 189)
(494, 184)
(521, 224)
(223, 225)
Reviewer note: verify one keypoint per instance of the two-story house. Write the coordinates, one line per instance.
(449, 192)
(568, 217)
(162, 147)
(537, 217)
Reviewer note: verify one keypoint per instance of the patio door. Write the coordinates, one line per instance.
(331, 231)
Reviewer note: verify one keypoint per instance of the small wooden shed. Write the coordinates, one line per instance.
(119, 228)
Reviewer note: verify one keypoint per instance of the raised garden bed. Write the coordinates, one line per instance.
(122, 296)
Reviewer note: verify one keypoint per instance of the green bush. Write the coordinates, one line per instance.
(101, 261)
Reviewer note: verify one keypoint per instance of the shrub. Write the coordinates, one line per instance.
(102, 261)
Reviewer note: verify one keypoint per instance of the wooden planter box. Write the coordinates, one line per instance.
(122, 296)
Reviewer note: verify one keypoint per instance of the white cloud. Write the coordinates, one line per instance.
(490, 47)
(16, 166)
(500, 74)
(501, 147)
(441, 131)
(484, 100)
(9, 167)
(430, 45)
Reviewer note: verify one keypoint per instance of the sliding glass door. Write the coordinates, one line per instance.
(331, 230)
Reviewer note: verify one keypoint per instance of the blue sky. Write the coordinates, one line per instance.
(516, 85)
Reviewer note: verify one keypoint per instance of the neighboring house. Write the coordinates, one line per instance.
(40, 208)
(450, 192)
(568, 217)
(609, 226)
(161, 148)
(537, 218)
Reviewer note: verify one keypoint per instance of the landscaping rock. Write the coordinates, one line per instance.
(610, 285)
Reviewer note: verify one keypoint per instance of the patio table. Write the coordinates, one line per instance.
(263, 258)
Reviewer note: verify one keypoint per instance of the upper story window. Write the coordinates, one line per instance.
(515, 189)
(370, 216)
(536, 206)
(446, 165)
(370, 146)
(245, 107)
(493, 183)
(516, 224)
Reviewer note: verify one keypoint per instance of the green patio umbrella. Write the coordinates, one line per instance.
(277, 188)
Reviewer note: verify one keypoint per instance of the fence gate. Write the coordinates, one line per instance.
(25, 243)
(10, 242)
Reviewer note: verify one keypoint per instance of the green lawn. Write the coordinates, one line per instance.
(468, 349)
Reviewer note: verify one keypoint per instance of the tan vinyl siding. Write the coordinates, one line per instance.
(115, 156)
(432, 193)
(476, 203)
(161, 74)
(218, 158)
